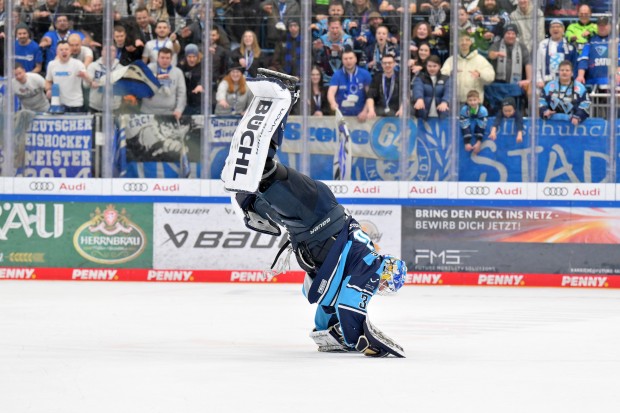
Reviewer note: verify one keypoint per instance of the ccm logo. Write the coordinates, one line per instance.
(555, 191)
(477, 190)
(41, 186)
(339, 189)
(135, 187)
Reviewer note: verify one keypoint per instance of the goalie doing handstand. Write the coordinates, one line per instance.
(344, 271)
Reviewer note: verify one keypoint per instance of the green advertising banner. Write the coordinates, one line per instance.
(76, 235)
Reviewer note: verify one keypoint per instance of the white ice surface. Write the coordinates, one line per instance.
(180, 348)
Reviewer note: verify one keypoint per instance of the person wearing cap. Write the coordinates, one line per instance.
(564, 98)
(278, 13)
(523, 16)
(233, 96)
(583, 29)
(551, 52)
(287, 56)
(27, 52)
(593, 64)
(191, 66)
(508, 111)
(474, 70)
(511, 61)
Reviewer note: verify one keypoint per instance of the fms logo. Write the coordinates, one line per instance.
(109, 237)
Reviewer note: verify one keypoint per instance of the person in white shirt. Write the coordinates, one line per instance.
(171, 97)
(30, 89)
(162, 40)
(96, 80)
(66, 72)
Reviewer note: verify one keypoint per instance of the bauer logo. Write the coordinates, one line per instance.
(109, 237)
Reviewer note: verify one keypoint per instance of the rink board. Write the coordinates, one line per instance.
(548, 235)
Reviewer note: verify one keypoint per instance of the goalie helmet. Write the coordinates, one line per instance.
(393, 275)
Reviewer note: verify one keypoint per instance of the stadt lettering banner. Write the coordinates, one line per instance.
(77, 235)
(56, 146)
(517, 239)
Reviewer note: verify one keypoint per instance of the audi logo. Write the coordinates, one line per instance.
(477, 190)
(135, 187)
(555, 191)
(41, 186)
(339, 189)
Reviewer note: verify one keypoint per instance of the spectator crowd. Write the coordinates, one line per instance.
(357, 55)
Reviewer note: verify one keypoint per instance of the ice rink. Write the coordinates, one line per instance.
(178, 348)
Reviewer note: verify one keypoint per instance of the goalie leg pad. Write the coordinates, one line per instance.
(374, 343)
(330, 340)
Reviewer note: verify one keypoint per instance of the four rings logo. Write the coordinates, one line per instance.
(41, 186)
(555, 191)
(135, 187)
(339, 189)
(477, 190)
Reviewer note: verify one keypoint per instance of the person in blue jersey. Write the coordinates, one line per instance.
(473, 122)
(343, 269)
(592, 65)
(27, 52)
(348, 87)
(565, 98)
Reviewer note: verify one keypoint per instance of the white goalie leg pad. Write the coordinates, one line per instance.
(375, 343)
(250, 144)
(330, 340)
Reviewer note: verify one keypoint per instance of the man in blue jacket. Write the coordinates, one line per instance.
(431, 92)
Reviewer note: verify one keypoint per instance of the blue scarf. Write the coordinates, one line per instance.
(292, 54)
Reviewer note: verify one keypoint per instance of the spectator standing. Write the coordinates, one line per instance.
(580, 32)
(78, 51)
(438, 15)
(348, 87)
(287, 56)
(473, 122)
(171, 97)
(321, 26)
(145, 30)
(27, 52)
(553, 51)
(491, 21)
(241, 15)
(192, 70)
(219, 56)
(249, 55)
(419, 63)
(44, 17)
(593, 64)
(473, 70)
(523, 17)
(329, 48)
(67, 73)
(565, 96)
(319, 105)
(432, 92)
(91, 23)
(157, 11)
(162, 40)
(375, 52)
(29, 87)
(50, 39)
(509, 111)
(233, 95)
(127, 50)
(384, 92)
(279, 13)
(95, 80)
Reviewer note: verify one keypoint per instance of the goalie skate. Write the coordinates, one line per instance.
(330, 341)
(381, 343)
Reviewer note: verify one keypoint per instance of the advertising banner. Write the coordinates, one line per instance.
(512, 239)
(77, 235)
(58, 147)
(190, 236)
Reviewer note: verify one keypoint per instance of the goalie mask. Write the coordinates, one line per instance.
(393, 275)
